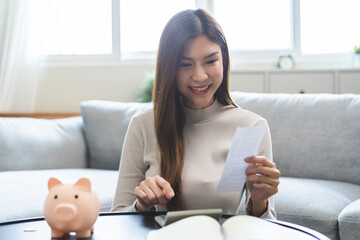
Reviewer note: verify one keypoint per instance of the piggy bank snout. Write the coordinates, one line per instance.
(65, 212)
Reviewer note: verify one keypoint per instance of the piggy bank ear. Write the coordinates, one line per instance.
(53, 182)
(85, 183)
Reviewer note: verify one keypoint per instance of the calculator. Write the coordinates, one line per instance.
(173, 216)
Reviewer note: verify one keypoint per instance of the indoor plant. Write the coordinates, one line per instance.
(145, 94)
(356, 56)
(357, 49)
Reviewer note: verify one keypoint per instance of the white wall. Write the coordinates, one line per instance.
(62, 88)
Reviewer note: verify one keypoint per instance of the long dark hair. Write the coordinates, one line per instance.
(169, 117)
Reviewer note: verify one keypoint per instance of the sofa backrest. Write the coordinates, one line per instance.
(105, 125)
(29, 144)
(313, 135)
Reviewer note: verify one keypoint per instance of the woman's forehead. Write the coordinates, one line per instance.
(200, 47)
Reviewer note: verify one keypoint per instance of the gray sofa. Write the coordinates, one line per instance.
(316, 146)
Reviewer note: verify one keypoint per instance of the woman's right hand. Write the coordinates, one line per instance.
(153, 191)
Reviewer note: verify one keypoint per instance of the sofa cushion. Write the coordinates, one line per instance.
(29, 143)
(23, 195)
(313, 135)
(105, 125)
(314, 203)
(349, 221)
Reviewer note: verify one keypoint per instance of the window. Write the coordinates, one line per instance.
(255, 25)
(330, 29)
(256, 30)
(141, 27)
(78, 27)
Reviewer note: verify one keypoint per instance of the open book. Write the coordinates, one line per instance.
(238, 227)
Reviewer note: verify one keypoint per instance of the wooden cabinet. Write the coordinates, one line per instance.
(247, 82)
(349, 82)
(297, 81)
(302, 82)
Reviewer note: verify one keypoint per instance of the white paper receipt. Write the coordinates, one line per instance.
(246, 143)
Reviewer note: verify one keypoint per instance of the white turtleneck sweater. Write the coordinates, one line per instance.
(208, 135)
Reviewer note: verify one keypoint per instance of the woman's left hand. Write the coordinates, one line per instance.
(262, 178)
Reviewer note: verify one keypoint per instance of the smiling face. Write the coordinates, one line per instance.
(200, 72)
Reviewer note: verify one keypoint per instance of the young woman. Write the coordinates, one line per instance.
(174, 155)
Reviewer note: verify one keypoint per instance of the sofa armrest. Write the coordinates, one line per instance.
(349, 221)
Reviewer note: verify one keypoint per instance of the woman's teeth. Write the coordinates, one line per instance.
(199, 89)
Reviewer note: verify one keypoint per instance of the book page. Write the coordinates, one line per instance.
(249, 227)
(191, 228)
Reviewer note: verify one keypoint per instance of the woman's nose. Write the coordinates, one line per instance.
(199, 74)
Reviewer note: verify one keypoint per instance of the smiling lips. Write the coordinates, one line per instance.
(200, 90)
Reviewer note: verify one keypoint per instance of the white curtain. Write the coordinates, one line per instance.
(21, 24)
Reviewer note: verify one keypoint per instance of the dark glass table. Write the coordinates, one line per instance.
(120, 225)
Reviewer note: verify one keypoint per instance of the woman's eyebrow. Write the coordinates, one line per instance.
(211, 55)
(208, 56)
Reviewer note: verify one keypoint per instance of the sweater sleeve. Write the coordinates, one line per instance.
(265, 149)
(132, 169)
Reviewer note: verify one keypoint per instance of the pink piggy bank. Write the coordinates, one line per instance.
(71, 208)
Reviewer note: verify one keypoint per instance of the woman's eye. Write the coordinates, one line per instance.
(185, 64)
(211, 61)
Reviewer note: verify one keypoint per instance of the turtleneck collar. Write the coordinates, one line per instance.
(203, 115)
